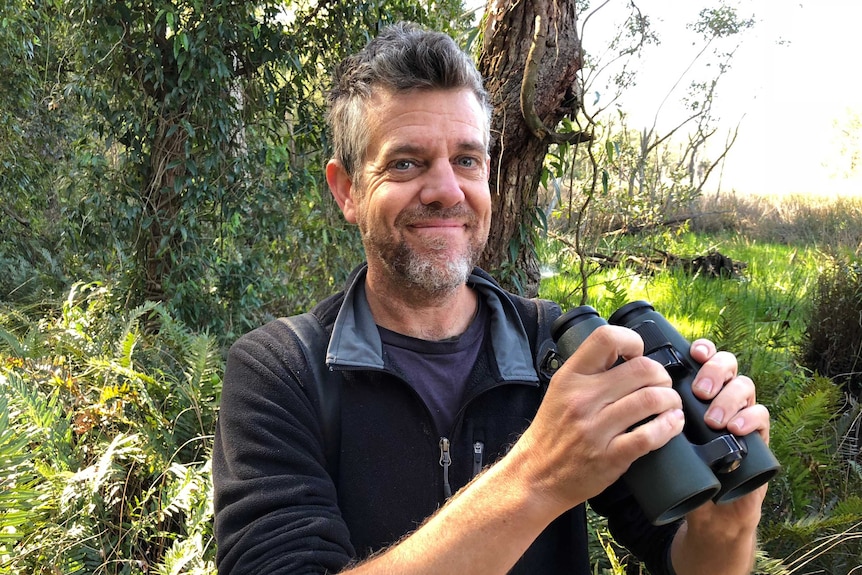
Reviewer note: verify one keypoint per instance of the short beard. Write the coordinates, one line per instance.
(433, 272)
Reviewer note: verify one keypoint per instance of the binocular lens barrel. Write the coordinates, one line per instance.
(701, 463)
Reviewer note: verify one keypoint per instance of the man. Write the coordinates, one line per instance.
(435, 369)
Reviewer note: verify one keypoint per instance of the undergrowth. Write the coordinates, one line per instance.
(106, 415)
(105, 439)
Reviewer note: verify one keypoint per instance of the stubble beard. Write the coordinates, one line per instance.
(433, 270)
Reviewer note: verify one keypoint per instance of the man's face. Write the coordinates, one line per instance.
(421, 197)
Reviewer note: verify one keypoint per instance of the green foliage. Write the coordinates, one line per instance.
(105, 436)
(184, 102)
(37, 127)
(807, 407)
(176, 149)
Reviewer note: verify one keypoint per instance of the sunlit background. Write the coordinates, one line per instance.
(793, 88)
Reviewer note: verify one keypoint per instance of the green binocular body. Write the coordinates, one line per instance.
(699, 465)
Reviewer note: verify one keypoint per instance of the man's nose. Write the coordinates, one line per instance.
(441, 186)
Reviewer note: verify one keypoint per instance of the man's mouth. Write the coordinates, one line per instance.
(438, 225)
(456, 217)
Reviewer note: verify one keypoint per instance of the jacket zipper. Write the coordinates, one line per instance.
(478, 451)
(445, 452)
(445, 462)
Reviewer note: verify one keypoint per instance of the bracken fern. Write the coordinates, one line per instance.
(106, 423)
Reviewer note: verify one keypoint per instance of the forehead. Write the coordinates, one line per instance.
(425, 117)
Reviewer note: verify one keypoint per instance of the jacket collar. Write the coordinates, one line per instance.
(355, 341)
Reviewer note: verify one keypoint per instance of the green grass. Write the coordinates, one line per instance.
(770, 293)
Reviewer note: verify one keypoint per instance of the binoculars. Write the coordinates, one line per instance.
(699, 464)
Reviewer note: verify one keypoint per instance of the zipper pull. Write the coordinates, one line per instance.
(478, 450)
(445, 462)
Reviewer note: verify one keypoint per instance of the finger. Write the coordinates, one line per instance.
(712, 375)
(702, 349)
(749, 420)
(736, 395)
(627, 378)
(648, 437)
(641, 405)
(603, 348)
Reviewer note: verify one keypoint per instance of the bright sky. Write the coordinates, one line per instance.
(794, 76)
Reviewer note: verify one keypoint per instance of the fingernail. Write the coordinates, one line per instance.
(739, 422)
(705, 385)
(716, 414)
(702, 349)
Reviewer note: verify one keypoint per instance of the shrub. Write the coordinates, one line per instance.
(833, 339)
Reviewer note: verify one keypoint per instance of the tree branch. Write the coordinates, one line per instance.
(528, 94)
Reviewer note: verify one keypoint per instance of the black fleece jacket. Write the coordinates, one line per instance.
(278, 510)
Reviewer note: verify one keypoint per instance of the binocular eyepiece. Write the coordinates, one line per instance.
(701, 463)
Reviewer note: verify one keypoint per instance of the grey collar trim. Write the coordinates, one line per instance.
(355, 342)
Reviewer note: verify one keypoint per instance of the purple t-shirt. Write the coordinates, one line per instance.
(438, 370)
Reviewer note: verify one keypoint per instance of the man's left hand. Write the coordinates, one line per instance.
(721, 539)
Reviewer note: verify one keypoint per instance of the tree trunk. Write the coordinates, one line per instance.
(160, 242)
(518, 148)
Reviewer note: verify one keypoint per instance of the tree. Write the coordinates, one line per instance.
(37, 128)
(530, 59)
(626, 180)
(172, 86)
(192, 139)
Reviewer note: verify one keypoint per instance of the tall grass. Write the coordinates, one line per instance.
(811, 221)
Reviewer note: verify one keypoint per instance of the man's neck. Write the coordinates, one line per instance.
(420, 314)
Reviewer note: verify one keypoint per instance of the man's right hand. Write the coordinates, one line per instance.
(584, 436)
(578, 444)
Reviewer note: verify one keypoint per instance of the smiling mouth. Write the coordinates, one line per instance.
(450, 224)
(428, 216)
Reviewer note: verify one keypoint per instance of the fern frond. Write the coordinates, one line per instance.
(731, 329)
(766, 565)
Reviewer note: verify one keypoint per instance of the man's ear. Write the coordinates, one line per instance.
(341, 187)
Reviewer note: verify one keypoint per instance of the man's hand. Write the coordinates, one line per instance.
(721, 539)
(584, 436)
(581, 440)
(733, 399)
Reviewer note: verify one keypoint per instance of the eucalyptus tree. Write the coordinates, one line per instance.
(194, 175)
(530, 57)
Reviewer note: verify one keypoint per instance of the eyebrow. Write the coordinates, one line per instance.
(409, 148)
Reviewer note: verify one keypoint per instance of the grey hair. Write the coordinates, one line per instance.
(401, 58)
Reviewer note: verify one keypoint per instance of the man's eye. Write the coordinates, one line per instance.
(467, 162)
(402, 165)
